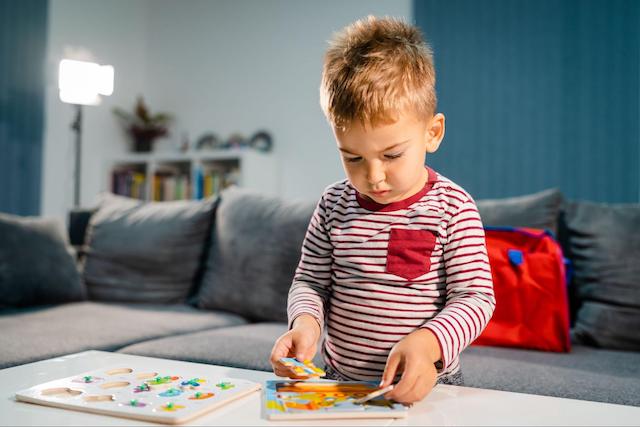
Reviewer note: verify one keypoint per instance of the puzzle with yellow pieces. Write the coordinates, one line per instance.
(303, 369)
(322, 399)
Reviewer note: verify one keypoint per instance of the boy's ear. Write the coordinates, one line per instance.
(435, 132)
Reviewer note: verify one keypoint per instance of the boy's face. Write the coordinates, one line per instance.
(386, 163)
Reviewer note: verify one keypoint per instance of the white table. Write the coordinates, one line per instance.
(446, 405)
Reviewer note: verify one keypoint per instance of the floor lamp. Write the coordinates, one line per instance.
(81, 83)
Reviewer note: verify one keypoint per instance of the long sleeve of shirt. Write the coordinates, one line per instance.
(371, 274)
(312, 281)
(469, 294)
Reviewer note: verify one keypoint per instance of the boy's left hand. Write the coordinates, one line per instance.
(415, 356)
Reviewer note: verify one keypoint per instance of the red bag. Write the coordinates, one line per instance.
(530, 286)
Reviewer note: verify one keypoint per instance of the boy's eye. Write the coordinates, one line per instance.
(393, 156)
(353, 159)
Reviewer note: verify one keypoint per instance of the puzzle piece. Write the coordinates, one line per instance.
(225, 385)
(172, 392)
(136, 403)
(201, 396)
(141, 388)
(171, 407)
(87, 379)
(161, 380)
(306, 368)
(192, 383)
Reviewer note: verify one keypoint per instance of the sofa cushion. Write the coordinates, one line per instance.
(38, 334)
(246, 346)
(586, 373)
(255, 249)
(36, 263)
(537, 210)
(604, 246)
(145, 252)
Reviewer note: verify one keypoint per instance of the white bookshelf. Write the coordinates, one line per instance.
(246, 168)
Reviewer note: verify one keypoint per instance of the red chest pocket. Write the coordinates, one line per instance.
(409, 252)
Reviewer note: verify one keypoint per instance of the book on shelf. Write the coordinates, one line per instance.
(129, 183)
(211, 181)
(174, 181)
(167, 186)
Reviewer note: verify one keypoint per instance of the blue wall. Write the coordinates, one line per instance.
(23, 40)
(538, 94)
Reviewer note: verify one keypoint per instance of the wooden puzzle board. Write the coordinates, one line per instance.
(139, 392)
(290, 400)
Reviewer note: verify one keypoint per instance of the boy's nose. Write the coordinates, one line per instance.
(375, 174)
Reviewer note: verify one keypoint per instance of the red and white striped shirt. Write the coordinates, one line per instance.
(371, 274)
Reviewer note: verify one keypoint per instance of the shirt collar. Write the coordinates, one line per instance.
(372, 205)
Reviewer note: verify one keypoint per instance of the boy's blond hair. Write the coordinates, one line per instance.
(373, 70)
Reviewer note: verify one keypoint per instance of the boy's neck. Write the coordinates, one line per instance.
(370, 204)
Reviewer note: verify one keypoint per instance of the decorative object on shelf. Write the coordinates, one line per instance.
(143, 126)
(261, 141)
(235, 141)
(81, 83)
(184, 142)
(208, 141)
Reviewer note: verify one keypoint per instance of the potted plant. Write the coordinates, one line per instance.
(143, 126)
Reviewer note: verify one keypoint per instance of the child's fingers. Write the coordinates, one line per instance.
(304, 347)
(405, 389)
(282, 348)
(306, 353)
(286, 372)
(302, 355)
(282, 370)
(422, 387)
(390, 369)
(291, 345)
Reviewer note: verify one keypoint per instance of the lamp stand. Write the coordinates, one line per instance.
(77, 129)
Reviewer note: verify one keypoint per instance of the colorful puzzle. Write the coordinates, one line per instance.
(138, 393)
(284, 400)
(306, 368)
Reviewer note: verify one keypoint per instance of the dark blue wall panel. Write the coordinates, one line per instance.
(538, 94)
(23, 40)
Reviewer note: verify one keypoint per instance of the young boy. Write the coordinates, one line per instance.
(394, 269)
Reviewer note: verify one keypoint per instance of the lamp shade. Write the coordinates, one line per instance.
(82, 82)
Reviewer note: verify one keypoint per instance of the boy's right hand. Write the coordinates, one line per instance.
(301, 342)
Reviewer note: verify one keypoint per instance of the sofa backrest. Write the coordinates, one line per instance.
(254, 249)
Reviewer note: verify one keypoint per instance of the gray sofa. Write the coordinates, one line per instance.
(206, 281)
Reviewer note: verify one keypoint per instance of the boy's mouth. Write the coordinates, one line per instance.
(380, 193)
